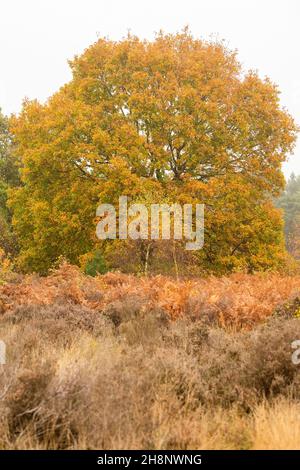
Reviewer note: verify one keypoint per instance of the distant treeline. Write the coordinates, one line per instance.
(289, 201)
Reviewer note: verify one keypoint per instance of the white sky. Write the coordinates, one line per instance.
(38, 36)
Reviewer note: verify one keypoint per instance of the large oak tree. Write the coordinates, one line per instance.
(176, 119)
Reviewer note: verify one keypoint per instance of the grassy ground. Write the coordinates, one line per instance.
(119, 362)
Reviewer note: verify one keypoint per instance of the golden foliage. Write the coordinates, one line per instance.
(175, 120)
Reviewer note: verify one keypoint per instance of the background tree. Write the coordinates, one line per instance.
(8, 178)
(289, 201)
(173, 119)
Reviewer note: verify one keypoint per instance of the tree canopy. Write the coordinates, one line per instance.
(175, 119)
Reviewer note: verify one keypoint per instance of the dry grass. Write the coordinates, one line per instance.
(119, 362)
(277, 426)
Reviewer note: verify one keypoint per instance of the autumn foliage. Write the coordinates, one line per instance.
(237, 301)
(173, 120)
(127, 344)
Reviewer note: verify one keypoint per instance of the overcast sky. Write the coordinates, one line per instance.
(37, 37)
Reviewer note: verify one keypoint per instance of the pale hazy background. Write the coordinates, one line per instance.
(38, 36)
